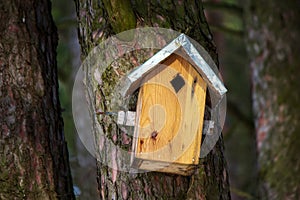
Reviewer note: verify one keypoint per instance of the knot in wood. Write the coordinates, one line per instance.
(154, 135)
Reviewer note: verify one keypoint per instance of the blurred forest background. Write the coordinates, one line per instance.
(227, 25)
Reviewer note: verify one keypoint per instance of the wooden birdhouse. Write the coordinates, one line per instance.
(170, 109)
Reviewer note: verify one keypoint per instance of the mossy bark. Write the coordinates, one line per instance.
(33, 153)
(96, 23)
(274, 46)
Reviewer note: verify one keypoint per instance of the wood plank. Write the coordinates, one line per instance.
(166, 167)
(170, 113)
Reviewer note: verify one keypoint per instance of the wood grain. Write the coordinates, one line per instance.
(169, 123)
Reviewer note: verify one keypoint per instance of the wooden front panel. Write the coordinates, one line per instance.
(170, 113)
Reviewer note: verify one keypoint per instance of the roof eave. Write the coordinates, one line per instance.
(202, 67)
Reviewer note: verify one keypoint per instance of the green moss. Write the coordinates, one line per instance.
(121, 16)
(279, 154)
(281, 171)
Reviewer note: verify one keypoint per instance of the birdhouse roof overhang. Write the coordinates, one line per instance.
(135, 78)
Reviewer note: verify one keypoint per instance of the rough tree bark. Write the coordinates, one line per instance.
(97, 21)
(273, 44)
(33, 153)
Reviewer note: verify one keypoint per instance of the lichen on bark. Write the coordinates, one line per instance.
(273, 42)
(210, 180)
(33, 154)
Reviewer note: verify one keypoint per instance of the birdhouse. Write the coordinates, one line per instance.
(170, 109)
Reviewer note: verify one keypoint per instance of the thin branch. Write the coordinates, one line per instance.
(223, 6)
(227, 30)
(242, 194)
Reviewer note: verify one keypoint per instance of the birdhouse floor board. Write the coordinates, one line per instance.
(165, 167)
(170, 112)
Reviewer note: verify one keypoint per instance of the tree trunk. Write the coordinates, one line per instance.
(34, 157)
(101, 19)
(273, 44)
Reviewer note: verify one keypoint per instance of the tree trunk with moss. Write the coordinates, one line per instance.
(273, 44)
(99, 20)
(33, 153)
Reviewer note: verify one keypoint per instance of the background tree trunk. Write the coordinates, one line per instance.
(33, 153)
(274, 46)
(100, 19)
